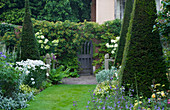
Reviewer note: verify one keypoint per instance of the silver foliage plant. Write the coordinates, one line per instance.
(110, 74)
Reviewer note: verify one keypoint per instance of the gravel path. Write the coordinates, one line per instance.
(81, 80)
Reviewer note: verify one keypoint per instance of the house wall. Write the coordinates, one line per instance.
(107, 10)
(104, 10)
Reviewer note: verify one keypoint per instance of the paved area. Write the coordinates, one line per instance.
(81, 80)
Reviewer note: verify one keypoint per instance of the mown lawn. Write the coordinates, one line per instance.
(61, 97)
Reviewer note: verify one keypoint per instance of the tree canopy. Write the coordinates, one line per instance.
(51, 10)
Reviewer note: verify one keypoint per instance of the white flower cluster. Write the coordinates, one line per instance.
(44, 42)
(113, 46)
(29, 65)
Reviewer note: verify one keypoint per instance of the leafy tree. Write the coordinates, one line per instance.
(124, 30)
(81, 9)
(142, 59)
(52, 10)
(29, 48)
(56, 10)
(36, 6)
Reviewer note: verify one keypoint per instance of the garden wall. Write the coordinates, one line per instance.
(70, 36)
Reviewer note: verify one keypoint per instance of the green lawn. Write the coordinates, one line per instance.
(61, 97)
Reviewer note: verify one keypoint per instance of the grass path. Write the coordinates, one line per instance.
(61, 97)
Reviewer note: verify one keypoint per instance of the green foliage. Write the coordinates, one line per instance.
(5, 28)
(163, 20)
(11, 40)
(14, 16)
(29, 47)
(142, 59)
(69, 36)
(28, 89)
(118, 100)
(11, 56)
(58, 10)
(19, 101)
(9, 77)
(124, 30)
(45, 46)
(105, 75)
(104, 88)
(34, 71)
(105, 33)
(162, 25)
(56, 75)
(12, 11)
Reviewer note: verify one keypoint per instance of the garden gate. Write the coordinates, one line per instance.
(85, 58)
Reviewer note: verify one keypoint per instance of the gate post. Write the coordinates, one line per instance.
(48, 61)
(106, 65)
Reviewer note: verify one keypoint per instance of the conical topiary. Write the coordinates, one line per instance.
(142, 59)
(123, 32)
(29, 48)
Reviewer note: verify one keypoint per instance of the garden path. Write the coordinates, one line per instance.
(81, 80)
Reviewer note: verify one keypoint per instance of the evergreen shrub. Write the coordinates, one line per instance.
(29, 47)
(123, 32)
(142, 59)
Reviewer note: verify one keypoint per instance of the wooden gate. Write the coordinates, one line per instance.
(85, 58)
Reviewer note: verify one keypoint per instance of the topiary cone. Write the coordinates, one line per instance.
(143, 57)
(29, 47)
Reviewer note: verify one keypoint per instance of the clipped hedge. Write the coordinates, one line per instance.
(143, 63)
(124, 30)
(29, 47)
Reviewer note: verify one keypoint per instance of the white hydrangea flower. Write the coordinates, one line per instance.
(42, 67)
(46, 40)
(116, 45)
(113, 41)
(47, 74)
(32, 79)
(37, 33)
(33, 82)
(110, 46)
(40, 41)
(117, 38)
(47, 47)
(55, 41)
(42, 37)
(112, 51)
(107, 45)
